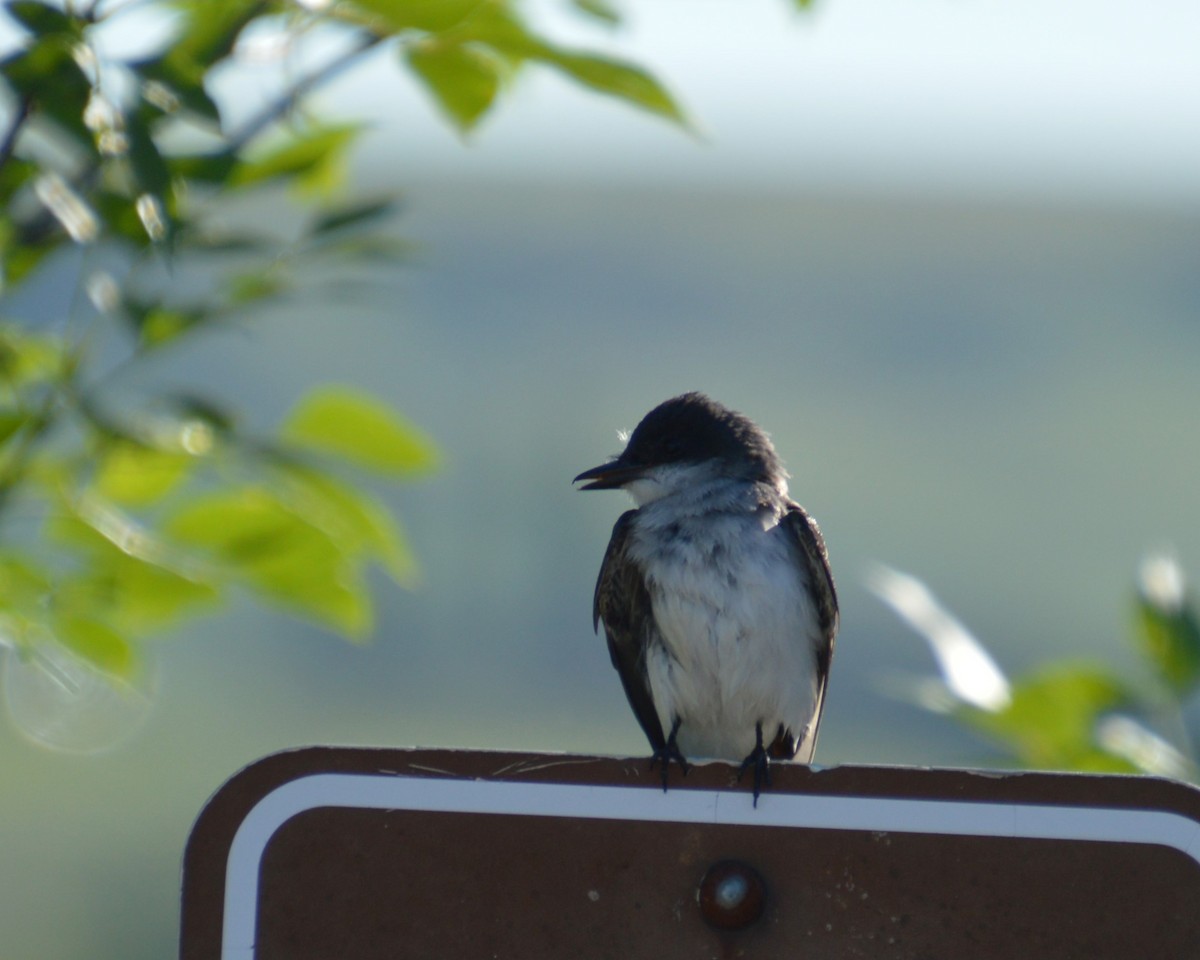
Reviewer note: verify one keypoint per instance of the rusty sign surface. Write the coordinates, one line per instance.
(359, 854)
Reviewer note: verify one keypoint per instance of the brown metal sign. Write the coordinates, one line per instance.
(355, 854)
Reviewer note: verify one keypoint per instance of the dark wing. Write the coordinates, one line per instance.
(623, 604)
(812, 553)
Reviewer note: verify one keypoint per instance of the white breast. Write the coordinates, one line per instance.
(739, 634)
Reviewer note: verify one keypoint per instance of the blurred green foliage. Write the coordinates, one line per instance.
(1079, 715)
(150, 510)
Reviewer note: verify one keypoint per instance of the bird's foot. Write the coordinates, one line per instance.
(667, 752)
(760, 760)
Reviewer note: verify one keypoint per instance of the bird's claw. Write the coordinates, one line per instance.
(666, 753)
(760, 760)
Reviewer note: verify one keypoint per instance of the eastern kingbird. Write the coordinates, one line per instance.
(715, 593)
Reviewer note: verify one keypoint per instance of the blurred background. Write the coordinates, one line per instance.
(947, 254)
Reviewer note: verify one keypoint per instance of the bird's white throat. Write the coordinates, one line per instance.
(689, 483)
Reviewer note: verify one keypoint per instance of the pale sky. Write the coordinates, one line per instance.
(1070, 98)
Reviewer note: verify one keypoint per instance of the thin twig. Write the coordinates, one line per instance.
(9, 143)
(280, 107)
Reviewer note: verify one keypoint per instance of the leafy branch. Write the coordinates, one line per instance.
(120, 517)
(1073, 715)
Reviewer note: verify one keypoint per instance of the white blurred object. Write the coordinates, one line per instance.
(1142, 747)
(103, 291)
(150, 212)
(59, 701)
(967, 669)
(1162, 582)
(68, 207)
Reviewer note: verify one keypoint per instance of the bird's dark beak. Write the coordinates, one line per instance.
(609, 476)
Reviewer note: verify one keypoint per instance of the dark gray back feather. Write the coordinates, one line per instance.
(622, 603)
(806, 536)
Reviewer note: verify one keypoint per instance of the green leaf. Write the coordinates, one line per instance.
(47, 74)
(125, 575)
(431, 15)
(151, 598)
(15, 174)
(211, 29)
(98, 644)
(615, 78)
(161, 325)
(280, 554)
(41, 18)
(599, 10)
(464, 80)
(119, 213)
(154, 324)
(139, 598)
(356, 521)
(134, 475)
(354, 215)
(149, 168)
(500, 29)
(314, 162)
(29, 358)
(240, 526)
(1050, 723)
(249, 287)
(20, 251)
(23, 587)
(358, 428)
(214, 168)
(24, 590)
(498, 26)
(10, 422)
(1170, 640)
(316, 580)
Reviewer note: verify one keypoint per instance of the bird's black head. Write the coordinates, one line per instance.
(691, 429)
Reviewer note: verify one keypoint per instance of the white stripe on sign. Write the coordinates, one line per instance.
(940, 817)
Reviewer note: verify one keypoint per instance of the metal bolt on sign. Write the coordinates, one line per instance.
(732, 895)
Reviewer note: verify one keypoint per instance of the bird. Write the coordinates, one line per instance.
(715, 592)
